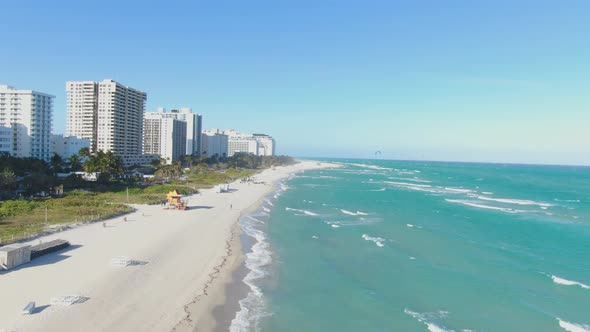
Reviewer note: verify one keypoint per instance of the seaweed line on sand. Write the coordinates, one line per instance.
(211, 278)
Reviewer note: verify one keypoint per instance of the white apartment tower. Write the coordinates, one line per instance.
(164, 136)
(194, 125)
(108, 114)
(27, 116)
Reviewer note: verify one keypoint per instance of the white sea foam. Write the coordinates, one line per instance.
(265, 209)
(566, 282)
(269, 202)
(315, 237)
(412, 257)
(381, 189)
(410, 225)
(427, 318)
(377, 240)
(335, 225)
(571, 327)
(252, 308)
(481, 206)
(487, 192)
(515, 201)
(305, 212)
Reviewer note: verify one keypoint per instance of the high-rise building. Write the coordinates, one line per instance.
(28, 114)
(214, 143)
(164, 136)
(107, 113)
(194, 125)
(82, 105)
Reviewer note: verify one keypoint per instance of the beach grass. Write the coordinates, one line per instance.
(24, 218)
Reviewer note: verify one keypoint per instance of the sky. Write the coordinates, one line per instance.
(458, 80)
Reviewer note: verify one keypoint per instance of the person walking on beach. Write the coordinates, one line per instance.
(104, 224)
(230, 206)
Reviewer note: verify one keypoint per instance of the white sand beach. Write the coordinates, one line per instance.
(184, 258)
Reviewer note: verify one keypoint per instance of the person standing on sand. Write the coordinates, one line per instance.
(230, 206)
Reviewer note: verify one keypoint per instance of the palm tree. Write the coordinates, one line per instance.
(7, 179)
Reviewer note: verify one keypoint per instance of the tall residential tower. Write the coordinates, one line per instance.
(108, 114)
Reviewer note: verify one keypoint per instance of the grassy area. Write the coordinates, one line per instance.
(19, 218)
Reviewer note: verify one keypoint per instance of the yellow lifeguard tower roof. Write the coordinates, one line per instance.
(173, 193)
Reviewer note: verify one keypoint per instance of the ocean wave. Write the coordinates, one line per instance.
(571, 327)
(429, 188)
(254, 219)
(357, 213)
(305, 212)
(459, 190)
(567, 200)
(566, 282)
(487, 192)
(266, 209)
(381, 189)
(414, 179)
(372, 167)
(515, 201)
(333, 224)
(377, 240)
(427, 319)
(481, 206)
(269, 202)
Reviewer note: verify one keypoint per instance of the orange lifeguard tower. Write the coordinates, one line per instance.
(174, 200)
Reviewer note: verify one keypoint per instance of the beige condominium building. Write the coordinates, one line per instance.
(108, 114)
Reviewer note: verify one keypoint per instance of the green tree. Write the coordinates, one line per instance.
(7, 179)
(56, 163)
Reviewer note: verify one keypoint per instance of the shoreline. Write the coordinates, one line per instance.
(189, 260)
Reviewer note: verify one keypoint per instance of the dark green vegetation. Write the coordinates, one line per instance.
(34, 198)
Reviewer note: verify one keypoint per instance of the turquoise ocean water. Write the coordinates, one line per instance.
(421, 246)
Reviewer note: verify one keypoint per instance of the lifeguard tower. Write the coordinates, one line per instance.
(174, 200)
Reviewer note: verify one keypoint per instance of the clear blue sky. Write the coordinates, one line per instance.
(494, 80)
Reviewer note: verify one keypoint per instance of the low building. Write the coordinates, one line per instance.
(140, 159)
(67, 146)
(256, 144)
(5, 140)
(266, 144)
